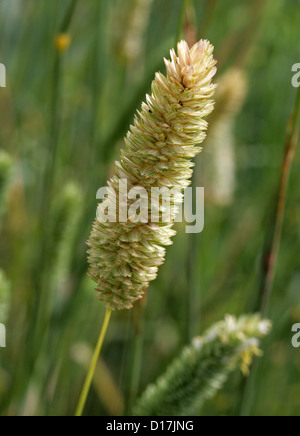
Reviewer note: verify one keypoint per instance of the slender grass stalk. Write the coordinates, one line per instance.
(136, 367)
(272, 244)
(91, 372)
(65, 24)
(136, 357)
(104, 383)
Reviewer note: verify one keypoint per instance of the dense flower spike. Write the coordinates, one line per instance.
(203, 367)
(124, 257)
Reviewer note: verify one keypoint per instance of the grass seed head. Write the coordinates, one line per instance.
(124, 256)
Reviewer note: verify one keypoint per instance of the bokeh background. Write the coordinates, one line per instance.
(68, 103)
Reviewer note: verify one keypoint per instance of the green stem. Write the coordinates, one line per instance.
(270, 258)
(90, 375)
(272, 245)
(136, 361)
(68, 17)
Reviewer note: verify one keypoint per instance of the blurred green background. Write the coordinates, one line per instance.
(64, 114)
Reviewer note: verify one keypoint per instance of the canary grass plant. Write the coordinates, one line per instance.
(62, 125)
(124, 257)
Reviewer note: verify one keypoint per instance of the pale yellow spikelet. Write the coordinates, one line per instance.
(124, 257)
